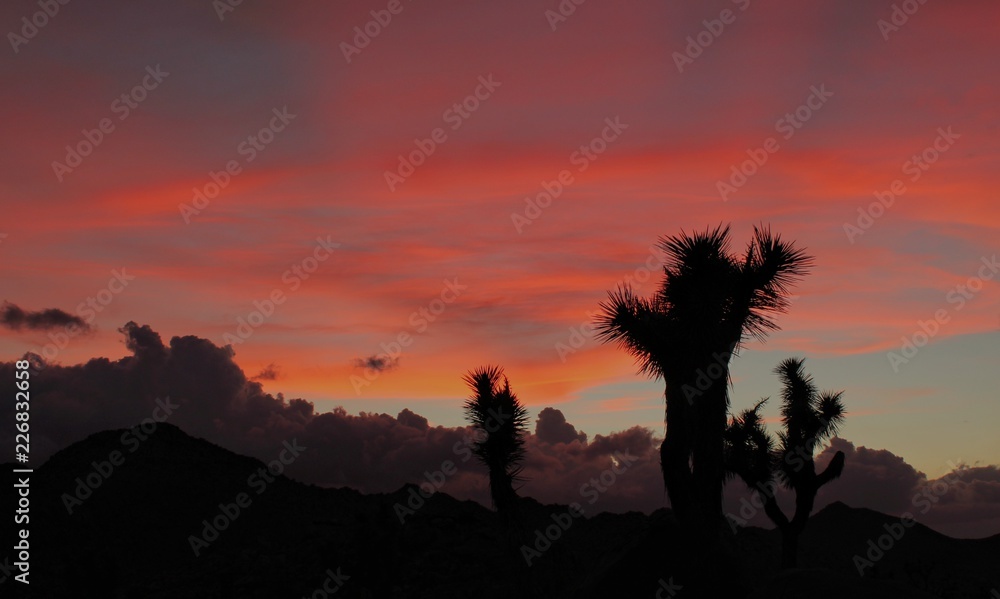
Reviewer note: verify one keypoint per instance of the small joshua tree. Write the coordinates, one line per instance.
(502, 422)
(809, 417)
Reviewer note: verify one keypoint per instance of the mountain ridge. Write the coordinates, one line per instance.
(175, 515)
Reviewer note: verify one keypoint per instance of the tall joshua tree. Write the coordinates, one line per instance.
(501, 422)
(708, 303)
(809, 417)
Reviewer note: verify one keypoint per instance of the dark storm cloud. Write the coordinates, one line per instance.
(551, 427)
(965, 502)
(268, 373)
(16, 318)
(367, 451)
(873, 478)
(378, 452)
(377, 363)
(408, 418)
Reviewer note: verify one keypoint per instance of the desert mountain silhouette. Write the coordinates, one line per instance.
(131, 537)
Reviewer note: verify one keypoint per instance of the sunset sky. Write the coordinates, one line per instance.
(847, 107)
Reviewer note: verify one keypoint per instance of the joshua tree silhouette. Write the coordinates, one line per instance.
(708, 303)
(502, 422)
(809, 417)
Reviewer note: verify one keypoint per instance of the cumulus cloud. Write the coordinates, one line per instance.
(965, 502)
(872, 478)
(371, 452)
(617, 472)
(408, 418)
(551, 427)
(16, 318)
(144, 342)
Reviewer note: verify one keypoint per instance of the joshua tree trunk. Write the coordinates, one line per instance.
(692, 455)
(790, 530)
(806, 490)
(502, 492)
(710, 409)
(674, 455)
(789, 547)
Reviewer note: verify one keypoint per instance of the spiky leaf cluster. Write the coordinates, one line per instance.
(709, 300)
(501, 419)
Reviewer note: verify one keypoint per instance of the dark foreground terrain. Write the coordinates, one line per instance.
(132, 537)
